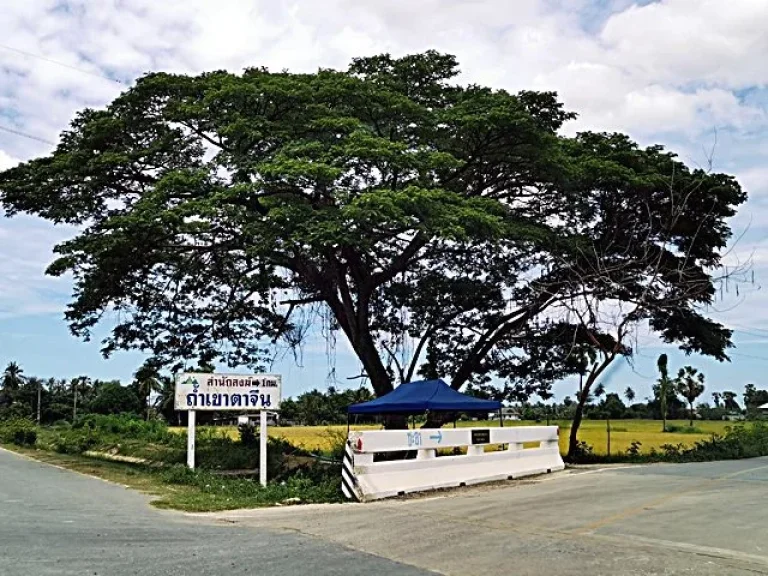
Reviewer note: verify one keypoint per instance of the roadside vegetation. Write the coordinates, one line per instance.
(149, 457)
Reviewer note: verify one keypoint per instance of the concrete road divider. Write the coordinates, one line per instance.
(365, 479)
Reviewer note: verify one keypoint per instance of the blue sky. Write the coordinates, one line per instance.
(683, 73)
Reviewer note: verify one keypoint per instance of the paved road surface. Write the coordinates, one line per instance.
(60, 523)
(697, 519)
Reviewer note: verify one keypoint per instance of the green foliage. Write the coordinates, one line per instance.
(337, 439)
(310, 485)
(75, 441)
(127, 427)
(315, 408)
(18, 431)
(753, 399)
(113, 398)
(690, 385)
(675, 429)
(583, 452)
(407, 207)
(247, 434)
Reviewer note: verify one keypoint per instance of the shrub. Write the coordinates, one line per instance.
(674, 428)
(247, 434)
(74, 442)
(19, 431)
(337, 439)
(126, 426)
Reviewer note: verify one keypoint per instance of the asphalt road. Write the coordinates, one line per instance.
(60, 523)
(696, 519)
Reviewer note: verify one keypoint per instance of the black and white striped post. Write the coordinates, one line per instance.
(348, 481)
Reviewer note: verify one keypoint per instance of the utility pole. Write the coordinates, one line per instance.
(39, 397)
(74, 405)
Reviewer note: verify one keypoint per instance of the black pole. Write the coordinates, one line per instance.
(347, 424)
(501, 418)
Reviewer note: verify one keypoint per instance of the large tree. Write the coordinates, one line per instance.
(435, 225)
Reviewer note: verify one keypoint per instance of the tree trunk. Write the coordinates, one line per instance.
(577, 417)
(663, 406)
(691, 415)
(438, 419)
(594, 374)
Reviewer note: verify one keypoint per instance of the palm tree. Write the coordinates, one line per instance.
(13, 378)
(664, 386)
(629, 394)
(147, 380)
(165, 400)
(716, 396)
(690, 385)
(599, 390)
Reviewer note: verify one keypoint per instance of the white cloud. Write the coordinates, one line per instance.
(692, 41)
(7, 161)
(665, 70)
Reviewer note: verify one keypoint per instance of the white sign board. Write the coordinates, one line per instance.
(220, 392)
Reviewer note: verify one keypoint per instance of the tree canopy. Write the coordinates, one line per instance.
(440, 228)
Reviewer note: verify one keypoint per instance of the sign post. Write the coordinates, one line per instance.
(191, 439)
(263, 447)
(228, 392)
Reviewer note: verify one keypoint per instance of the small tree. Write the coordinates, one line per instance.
(629, 394)
(690, 385)
(599, 390)
(729, 399)
(664, 386)
(753, 399)
(13, 378)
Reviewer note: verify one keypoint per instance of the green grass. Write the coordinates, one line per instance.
(178, 488)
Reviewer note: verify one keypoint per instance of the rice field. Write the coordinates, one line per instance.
(593, 432)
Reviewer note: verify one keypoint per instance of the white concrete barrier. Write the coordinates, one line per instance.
(373, 480)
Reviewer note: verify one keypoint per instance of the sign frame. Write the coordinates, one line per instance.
(222, 392)
(261, 393)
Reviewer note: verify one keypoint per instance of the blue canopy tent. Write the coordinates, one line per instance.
(424, 396)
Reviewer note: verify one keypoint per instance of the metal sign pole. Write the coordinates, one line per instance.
(263, 447)
(191, 439)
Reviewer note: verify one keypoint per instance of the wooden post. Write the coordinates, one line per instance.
(608, 420)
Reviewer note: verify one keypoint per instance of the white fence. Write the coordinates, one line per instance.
(364, 479)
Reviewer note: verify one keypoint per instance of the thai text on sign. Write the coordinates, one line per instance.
(244, 392)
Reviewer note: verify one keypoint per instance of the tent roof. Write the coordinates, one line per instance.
(763, 407)
(417, 397)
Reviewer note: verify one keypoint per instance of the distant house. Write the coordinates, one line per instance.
(253, 419)
(507, 413)
(763, 409)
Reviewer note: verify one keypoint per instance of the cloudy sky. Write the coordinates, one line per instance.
(689, 74)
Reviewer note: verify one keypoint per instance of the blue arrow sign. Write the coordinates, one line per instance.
(438, 437)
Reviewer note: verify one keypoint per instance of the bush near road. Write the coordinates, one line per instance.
(148, 457)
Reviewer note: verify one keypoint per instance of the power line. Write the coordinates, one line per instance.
(749, 356)
(58, 63)
(25, 135)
